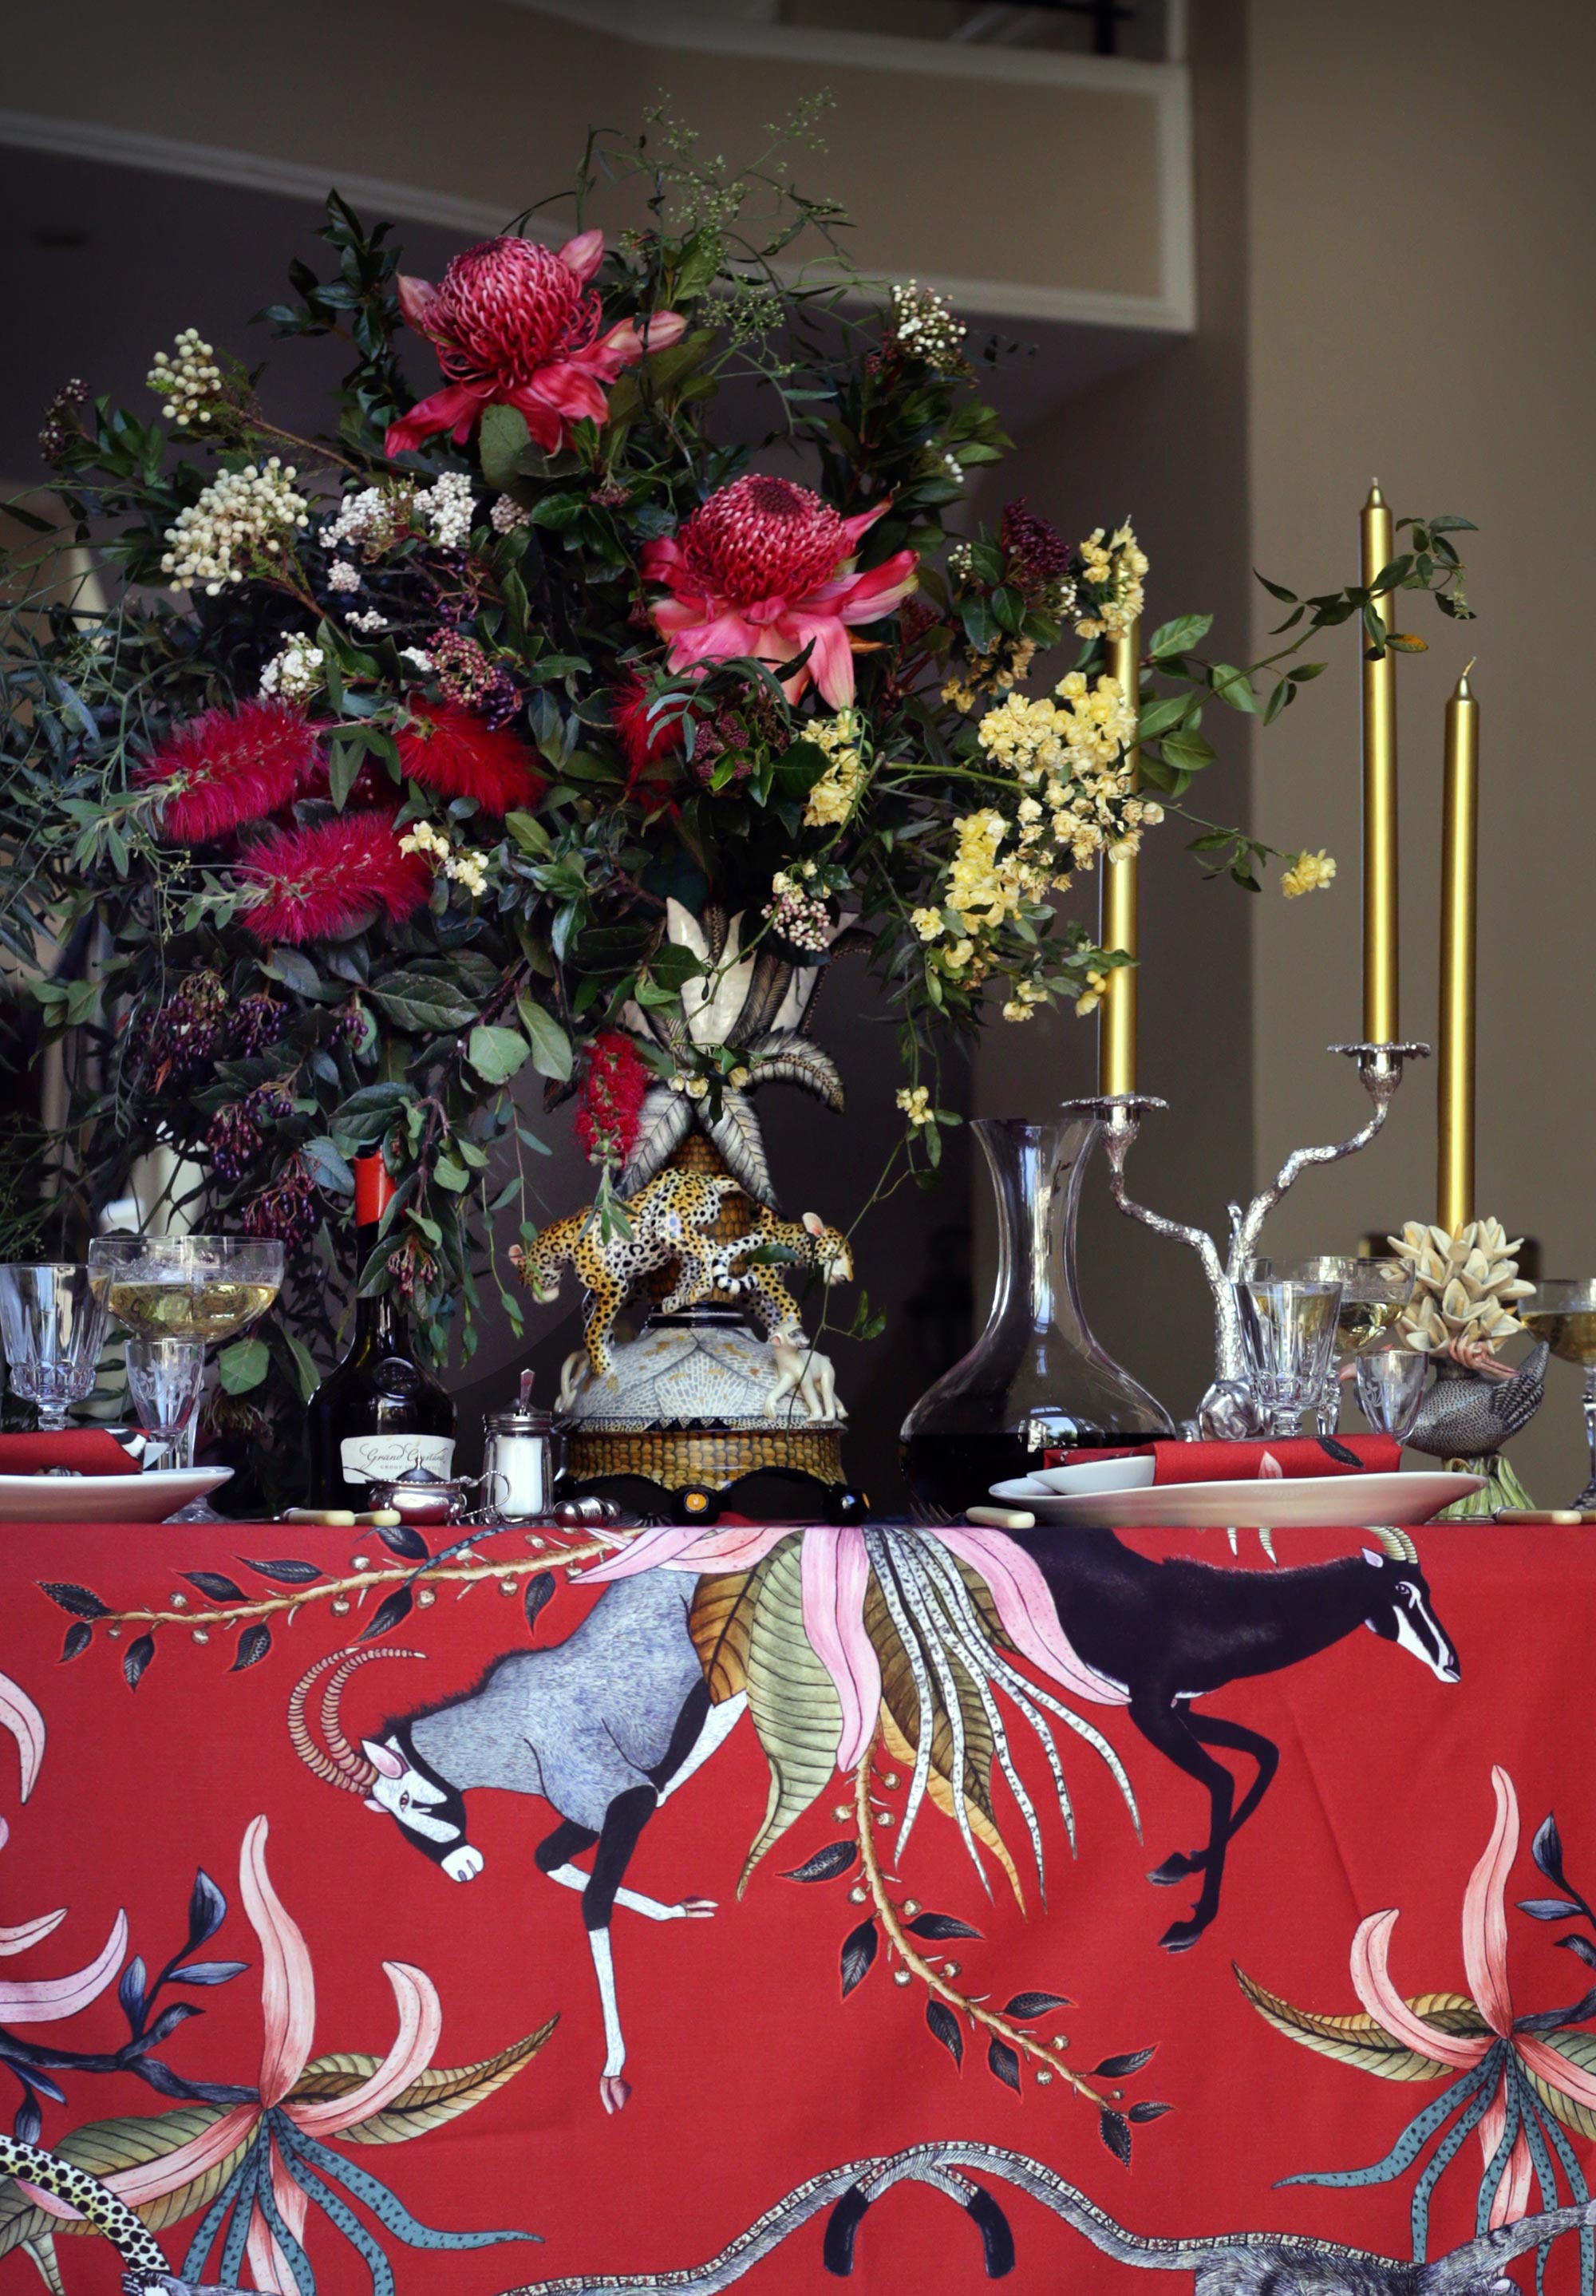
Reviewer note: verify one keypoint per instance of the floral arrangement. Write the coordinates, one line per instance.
(348, 778)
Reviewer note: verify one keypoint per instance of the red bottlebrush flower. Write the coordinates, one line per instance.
(336, 875)
(649, 736)
(460, 755)
(230, 766)
(515, 325)
(759, 570)
(606, 1117)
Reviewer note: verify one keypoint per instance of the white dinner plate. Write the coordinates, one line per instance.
(106, 1498)
(1317, 1501)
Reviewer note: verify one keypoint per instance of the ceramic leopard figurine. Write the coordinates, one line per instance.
(811, 1243)
(664, 1222)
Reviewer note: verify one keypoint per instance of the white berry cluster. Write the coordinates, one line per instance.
(369, 519)
(190, 383)
(294, 674)
(343, 574)
(799, 914)
(242, 518)
(507, 514)
(922, 323)
(445, 510)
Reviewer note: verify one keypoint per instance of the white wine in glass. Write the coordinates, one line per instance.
(207, 1308)
(186, 1287)
(1562, 1311)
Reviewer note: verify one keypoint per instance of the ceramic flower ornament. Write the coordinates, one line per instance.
(516, 325)
(763, 569)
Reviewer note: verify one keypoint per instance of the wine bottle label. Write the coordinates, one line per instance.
(384, 1458)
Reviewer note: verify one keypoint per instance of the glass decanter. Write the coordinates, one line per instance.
(1036, 1380)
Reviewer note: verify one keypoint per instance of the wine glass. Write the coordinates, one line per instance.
(1562, 1311)
(1373, 1294)
(1390, 1384)
(52, 1328)
(187, 1287)
(1290, 1336)
(164, 1378)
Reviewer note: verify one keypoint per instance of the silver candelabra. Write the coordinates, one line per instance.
(1227, 1410)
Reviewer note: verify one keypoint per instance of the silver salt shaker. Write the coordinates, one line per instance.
(518, 1458)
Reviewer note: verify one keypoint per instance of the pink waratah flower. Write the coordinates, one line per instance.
(835, 1577)
(228, 766)
(41, 2000)
(515, 325)
(1484, 1961)
(287, 2014)
(761, 569)
(330, 877)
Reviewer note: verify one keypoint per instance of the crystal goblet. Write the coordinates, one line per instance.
(1390, 1386)
(1373, 1294)
(1290, 1336)
(52, 1328)
(164, 1378)
(187, 1287)
(1562, 1311)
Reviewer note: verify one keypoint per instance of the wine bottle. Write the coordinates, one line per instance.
(381, 1412)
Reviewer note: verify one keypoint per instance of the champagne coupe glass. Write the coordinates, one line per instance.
(1373, 1294)
(52, 1328)
(1390, 1384)
(164, 1378)
(1563, 1313)
(1291, 1335)
(187, 1287)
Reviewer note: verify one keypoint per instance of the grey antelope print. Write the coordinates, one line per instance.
(604, 1726)
(1227, 2264)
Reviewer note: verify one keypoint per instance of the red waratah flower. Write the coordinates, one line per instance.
(459, 754)
(515, 325)
(327, 879)
(606, 1119)
(229, 766)
(760, 570)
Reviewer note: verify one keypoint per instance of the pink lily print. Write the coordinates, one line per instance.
(256, 2164)
(43, 2000)
(1518, 2083)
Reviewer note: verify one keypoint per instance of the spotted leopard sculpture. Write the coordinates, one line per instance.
(663, 1223)
(811, 1243)
(146, 2271)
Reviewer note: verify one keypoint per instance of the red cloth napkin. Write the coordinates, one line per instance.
(1242, 1463)
(88, 1450)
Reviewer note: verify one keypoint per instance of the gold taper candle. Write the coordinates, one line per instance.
(1460, 887)
(1117, 917)
(1380, 794)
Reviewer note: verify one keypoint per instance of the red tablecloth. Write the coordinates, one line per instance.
(751, 2072)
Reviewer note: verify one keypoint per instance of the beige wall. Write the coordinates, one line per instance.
(1421, 184)
(972, 166)
(1166, 444)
